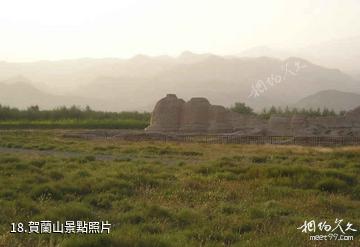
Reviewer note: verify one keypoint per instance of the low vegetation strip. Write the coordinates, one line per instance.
(55, 153)
(75, 124)
(70, 118)
(236, 139)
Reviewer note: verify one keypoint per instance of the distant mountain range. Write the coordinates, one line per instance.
(343, 54)
(224, 81)
(23, 94)
(331, 99)
(137, 83)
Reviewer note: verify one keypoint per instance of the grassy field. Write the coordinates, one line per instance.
(169, 194)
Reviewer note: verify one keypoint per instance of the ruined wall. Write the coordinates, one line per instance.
(279, 125)
(353, 117)
(195, 115)
(166, 116)
(248, 124)
(220, 119)
(298, 122)
(172, 114)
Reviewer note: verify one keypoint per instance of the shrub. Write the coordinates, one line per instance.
(56, 175)
(9, 160)
(87, 159)
(336, 164)
(159, 151)
(142, 180)
(356, 193)
(83, 174)
(88, 241)
(38, 179)
(102, 201)
(205, 169)
(120, 188)
(186, 217)
(20, 166)
(210, 234)
(82, 188)
(244, 227)
(133, 217)
(349, 179)
(38, 163)
(259, 159)
(256, 213)
(26, 206)
(274, 208)
(191, 153)
(151, 228)
(158, 212)
(139, 239)
(331, 185)
(70, 211)
(46, 191)
(289, 171)
(8, 195)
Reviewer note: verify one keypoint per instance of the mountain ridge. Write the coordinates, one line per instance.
(137, 84)
(331, 99)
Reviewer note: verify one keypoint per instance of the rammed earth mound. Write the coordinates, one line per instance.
(172, 114)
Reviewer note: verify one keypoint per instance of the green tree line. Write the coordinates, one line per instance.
(286, 111)
(33, 113)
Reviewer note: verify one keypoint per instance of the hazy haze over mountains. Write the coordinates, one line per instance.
(137, 83)
(132, 51)
(23, 94)
(343, 54)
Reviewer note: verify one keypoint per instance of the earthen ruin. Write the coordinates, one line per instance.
(174, 115)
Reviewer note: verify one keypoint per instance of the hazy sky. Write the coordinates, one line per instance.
(60, 29)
